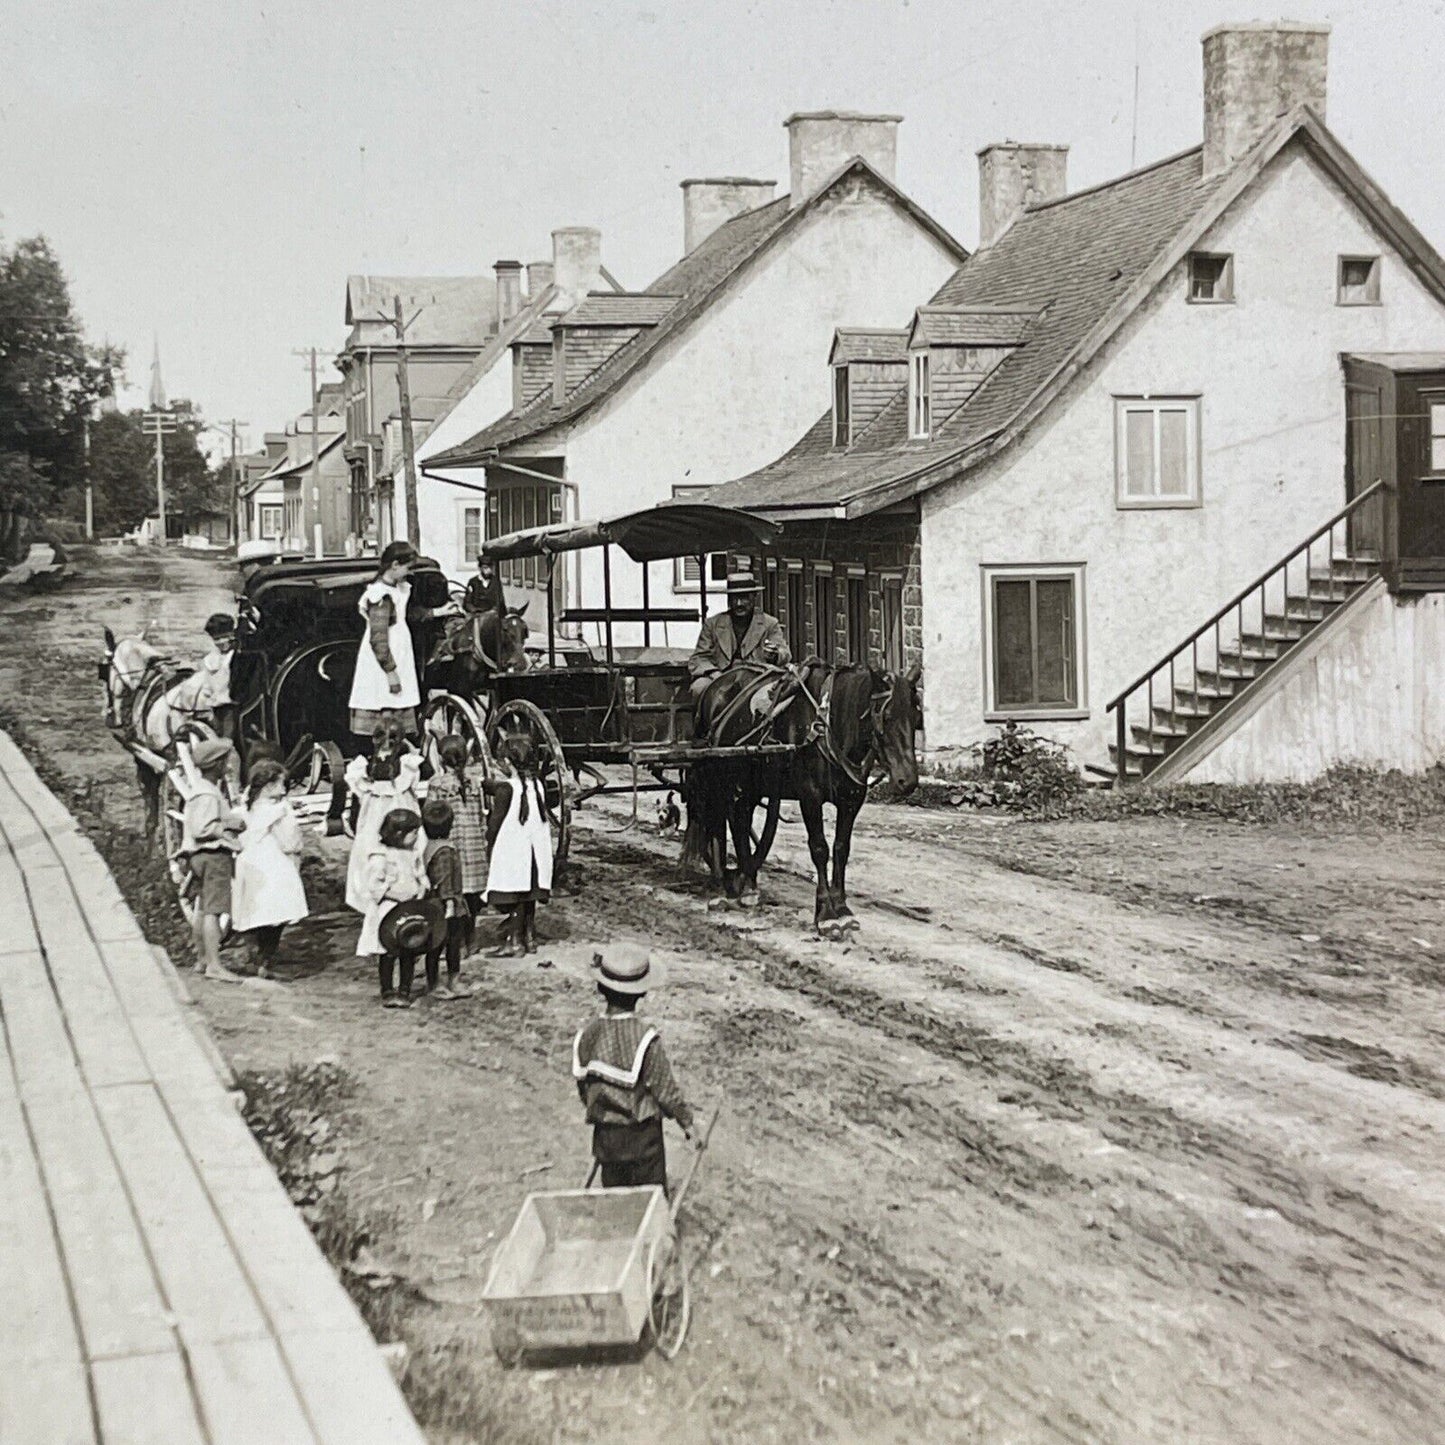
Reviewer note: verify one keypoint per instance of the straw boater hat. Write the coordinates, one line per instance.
(414, 927)
(741, 579)
(626, 968)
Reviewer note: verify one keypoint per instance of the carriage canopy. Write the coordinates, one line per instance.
(685, 529)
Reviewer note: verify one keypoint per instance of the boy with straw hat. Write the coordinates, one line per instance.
(623, 1076)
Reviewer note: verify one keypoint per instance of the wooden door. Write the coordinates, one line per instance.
(1420, 469)
(1369, 392)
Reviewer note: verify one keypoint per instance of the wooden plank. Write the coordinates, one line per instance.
(18, 935)
(16, 770)
(59, 913)
(215, 1134)
(46, 1404)
(146, 1400)
(45, 1063)
(116, 1296)
(99, 1028)
(36, 1322)
(209, 1295)
(247, 1397)
(297, 1285)
(349, 1391)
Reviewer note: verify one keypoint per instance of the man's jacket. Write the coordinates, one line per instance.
(718, 646)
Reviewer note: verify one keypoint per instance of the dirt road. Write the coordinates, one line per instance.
(1096, 1132)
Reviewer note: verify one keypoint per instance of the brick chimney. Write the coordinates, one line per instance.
(1012, 176)
(821, 142)
(576, 263)
(1253, 75)
(509, 289)
(539, 277)
(707, 204)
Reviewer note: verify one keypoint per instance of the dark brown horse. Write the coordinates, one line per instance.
(477, 647)
(845, 725)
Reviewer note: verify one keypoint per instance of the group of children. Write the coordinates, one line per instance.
(422, 899)
(420, 874)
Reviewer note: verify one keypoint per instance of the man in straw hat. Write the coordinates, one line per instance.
(210, 834)
(623, 1075)
(741, 634)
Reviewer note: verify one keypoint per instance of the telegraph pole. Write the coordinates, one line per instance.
(159, 424)
(317, 539)
(85, 462)
(408, 446)
(234, 422)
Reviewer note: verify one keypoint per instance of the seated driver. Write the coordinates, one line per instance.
(741, 634)
(484, 591)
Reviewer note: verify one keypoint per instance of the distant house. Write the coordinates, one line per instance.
(294, 498)
(451, 503)
(630, 398)
(261, 497)
(1128, 405)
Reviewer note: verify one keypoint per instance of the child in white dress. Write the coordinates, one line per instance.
(519, 875)
(267, 893)
(383, 782)
(395, 873)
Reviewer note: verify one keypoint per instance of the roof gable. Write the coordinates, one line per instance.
(859, 343)
(969, 326)
(697, 280)
(448, 310)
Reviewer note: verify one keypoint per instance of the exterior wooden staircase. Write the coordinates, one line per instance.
(1221, 660)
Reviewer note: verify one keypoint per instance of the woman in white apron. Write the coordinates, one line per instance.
(519, 876)
(385, 683)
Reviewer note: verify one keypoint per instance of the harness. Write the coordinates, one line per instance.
(821, 729)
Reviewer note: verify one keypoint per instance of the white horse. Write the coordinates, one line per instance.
(152, 700)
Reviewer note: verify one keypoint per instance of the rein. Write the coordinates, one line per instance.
(821, 730)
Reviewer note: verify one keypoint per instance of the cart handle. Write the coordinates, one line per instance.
(696, 1159)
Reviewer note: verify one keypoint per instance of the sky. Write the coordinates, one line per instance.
(210, 173)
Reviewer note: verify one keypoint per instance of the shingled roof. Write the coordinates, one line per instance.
(1083, 264)
(969, 326)
(603, 308)
(696, 280)
(861, 343)
(448, 310)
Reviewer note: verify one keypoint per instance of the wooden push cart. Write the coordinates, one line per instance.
(592, 1268)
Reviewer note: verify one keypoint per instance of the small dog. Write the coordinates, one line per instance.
(669, 816)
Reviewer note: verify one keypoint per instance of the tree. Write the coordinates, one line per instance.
(49, 380)
(123, 470)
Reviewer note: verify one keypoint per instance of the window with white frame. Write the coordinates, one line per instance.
(685, 575)
(1359, 281)
(1156, 451)
(1436, 461)
(472, 530)
(270, 520)
(1034, 641)
(920, 400)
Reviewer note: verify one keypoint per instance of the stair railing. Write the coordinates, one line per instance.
(1256, 591)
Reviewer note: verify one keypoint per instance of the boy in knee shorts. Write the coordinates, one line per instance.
(210, 837)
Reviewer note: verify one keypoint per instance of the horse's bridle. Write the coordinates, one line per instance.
(822, 728)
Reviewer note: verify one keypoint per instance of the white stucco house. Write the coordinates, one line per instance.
(1129, 405)
(628, 399)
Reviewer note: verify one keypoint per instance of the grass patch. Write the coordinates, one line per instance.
(137, 864)
(298, 1117)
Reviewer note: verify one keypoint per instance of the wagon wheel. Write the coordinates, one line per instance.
(326, 777)
(764, 828)
(451, 713)
(519, 715)
(669, 1298)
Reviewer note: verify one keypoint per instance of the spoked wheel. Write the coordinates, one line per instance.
(764, 826)
(451, 713)
(326, 779)
(521, 716)
(669, 1299)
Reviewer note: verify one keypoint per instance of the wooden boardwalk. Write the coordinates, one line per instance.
(156, 1284)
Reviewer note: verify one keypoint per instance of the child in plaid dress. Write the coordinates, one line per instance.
(460, 788)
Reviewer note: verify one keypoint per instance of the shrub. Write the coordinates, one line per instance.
(1022, 771)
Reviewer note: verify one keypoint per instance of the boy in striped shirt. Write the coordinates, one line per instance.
(624, 1078)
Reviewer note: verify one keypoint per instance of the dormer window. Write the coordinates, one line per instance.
(920, 407)
(842, 435)
(1211, 277)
